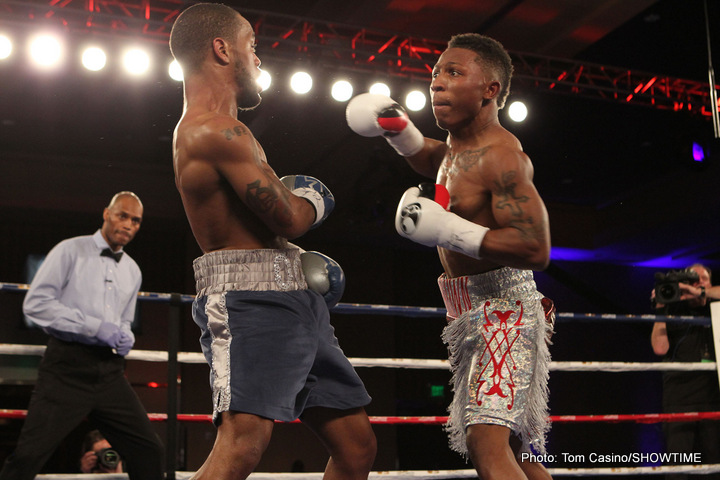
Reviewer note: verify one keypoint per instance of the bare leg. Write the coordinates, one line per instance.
(533, 470)
(239, 445)
(490, 453)
(348, 437)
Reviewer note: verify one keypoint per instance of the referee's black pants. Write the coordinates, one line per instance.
(75, 382)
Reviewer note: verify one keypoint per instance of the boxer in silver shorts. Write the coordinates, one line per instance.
(497, 337)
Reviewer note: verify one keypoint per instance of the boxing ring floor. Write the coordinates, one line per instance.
(561, 462)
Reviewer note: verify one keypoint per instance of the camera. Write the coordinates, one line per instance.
(667, 289)
(108, 458)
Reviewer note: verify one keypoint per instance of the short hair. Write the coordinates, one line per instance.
(700, 265)
(492, 55)
(92, 437)
(123, 194)
(196, 27)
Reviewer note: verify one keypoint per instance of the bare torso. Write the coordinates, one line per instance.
(471, 170)
(218, 217)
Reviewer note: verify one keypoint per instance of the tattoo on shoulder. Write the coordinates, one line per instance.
(466, 159)
(237, 131)
(507, 198)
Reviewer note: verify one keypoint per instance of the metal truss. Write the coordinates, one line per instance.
(337, 46)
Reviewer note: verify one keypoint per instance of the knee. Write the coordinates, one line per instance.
(359, 453)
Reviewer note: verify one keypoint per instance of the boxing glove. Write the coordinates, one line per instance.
(312, 190)
(324, 276)
(425, 221)
(373, 115)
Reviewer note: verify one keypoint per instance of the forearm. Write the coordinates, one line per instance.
(659, 339)
(427, 161)
(46, 311)
(713, 292)
(514, 248)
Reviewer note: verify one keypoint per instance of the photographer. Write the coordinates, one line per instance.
(98, 456)
(688, 391)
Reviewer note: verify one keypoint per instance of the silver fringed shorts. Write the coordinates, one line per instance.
(267, 338)
(499, 356)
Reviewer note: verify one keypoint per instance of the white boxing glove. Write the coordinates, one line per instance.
(423, 220)
(373, 115)
(324, 276)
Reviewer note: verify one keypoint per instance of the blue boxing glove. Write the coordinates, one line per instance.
(324, 276)
(312, 190)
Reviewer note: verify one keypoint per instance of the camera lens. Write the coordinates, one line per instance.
(667, 293)
(108, 458)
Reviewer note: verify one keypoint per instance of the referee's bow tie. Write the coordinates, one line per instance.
(109, 253)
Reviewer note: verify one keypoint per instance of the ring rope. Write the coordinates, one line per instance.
(645, 418)
(194, 357)
(409, 311)
(420, 474)
(410, 363)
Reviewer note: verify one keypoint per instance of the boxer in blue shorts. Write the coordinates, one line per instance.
(296, 363)
(265, 335)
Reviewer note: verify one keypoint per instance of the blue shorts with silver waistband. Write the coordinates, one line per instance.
(268, 339)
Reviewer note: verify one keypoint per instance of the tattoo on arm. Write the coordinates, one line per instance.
(237, 131)
(507, 198)
(264, 199)
(259, 198)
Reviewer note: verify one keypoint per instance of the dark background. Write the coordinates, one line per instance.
(624, 202)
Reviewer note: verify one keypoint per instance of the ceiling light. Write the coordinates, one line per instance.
(342, 91)
(136, 61)
(380, 89)
(415, 100)
(175, 71)
(5, 47)
(94, 59)
(46, 51)
(301, 82)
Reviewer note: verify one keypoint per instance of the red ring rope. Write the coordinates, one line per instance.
(439, 420)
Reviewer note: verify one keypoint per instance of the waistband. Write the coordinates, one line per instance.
(99, 352)
(462, 294)
(255, 270)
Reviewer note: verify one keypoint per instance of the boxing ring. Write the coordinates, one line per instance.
(176, 302)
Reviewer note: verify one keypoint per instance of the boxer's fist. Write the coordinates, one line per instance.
(373, 115)
(312, 190)
(324, 276)
(425, 221)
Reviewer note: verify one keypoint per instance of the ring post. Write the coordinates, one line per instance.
(715, 321)
(173, 345)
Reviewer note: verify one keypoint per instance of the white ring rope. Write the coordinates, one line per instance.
(434, 474)
(410, 363)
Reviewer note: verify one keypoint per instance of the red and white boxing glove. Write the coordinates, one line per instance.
(373, 115)
(422, 216)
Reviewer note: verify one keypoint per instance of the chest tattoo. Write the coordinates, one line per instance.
(463, 161)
